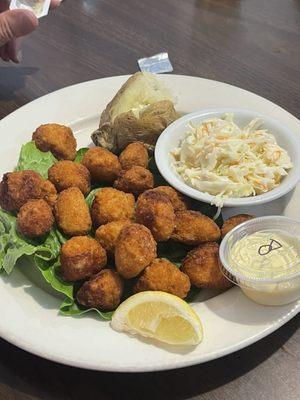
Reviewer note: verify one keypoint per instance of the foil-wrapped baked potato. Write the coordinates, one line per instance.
(140, 111)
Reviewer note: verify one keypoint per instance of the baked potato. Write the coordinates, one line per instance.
(140, 111)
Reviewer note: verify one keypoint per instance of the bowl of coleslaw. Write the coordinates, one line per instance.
(229, 157)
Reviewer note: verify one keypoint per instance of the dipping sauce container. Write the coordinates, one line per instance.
(262, 256)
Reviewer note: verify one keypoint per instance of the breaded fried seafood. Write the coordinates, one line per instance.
(72, 213)
(108, 234)
(192, 227)
(102, 291)
(135, 154)
(18, 187)
(81, 257)
(202, 265)
(58, 139)
(178, 201)
(111, 205)
(35, 218)
(103, 165)
(135, 180)
(162, 275)
(234, 221)
(155, 211)
(135, 249)
(65, 174)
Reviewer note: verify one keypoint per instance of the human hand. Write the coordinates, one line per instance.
(13, 25)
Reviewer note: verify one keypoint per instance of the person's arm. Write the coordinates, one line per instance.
(13, 25)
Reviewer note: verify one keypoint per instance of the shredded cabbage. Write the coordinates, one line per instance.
(222, 159)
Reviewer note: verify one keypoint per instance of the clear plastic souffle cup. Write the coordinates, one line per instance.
(262, 257)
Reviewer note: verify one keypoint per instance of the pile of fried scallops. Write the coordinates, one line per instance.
(117, 238)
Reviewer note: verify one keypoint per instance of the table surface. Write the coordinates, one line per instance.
(253, 44)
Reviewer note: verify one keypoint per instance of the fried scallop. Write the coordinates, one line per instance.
(202, 265)
(135, 249)
(178, 201)
(58, 139)
(135, 180)
(65, 174)
(193, 228)
(72, 213)
(18, 187)
(81, 257)
(103, 291)
(103, 165)
(112, 205)
(163, 275)
(108, 234)
(48, 192)
(234, 221)
(135, 154)
(155, 211)
(35, 218)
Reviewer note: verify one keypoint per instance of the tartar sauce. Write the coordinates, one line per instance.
(266, 255)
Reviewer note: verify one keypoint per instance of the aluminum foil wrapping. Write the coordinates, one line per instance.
(156, 64)
(39, 7)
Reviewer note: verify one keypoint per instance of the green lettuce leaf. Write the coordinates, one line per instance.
(32, 158)
(71, 308)
(90, 197)
(50, 272)
(80, 153)
(62, 238)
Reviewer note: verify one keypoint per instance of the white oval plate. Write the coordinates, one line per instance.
(28, 313)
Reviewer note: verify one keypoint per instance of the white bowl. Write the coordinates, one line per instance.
(170, 137)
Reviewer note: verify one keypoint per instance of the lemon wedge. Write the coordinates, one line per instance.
(159, 315)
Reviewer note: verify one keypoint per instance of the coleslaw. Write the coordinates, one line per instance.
(222, 159)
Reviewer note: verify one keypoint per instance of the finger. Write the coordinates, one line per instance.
(55, 3)
(16, 23)
(4, 5)
(3, 53)
(14, 50)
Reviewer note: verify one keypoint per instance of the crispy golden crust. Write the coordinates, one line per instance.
(18, 187)
(202, 265)
(178, 201)
(192, 227)
(35, 218)
(112, 205)
(108, 234)
(103, 291)
(162, 275)
(135, 154)
(103, 165)
(58, 139)
(234, 221)
(65, 174)
(135, 249)
(155, 211)
(72, 213)
(48, 193)
(135, 180)
(81, 257)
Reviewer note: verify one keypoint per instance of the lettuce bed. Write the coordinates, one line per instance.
(44, 252)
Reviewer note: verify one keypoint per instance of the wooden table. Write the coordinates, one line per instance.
(253, 44)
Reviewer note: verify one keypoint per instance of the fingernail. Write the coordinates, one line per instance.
(19, 56)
